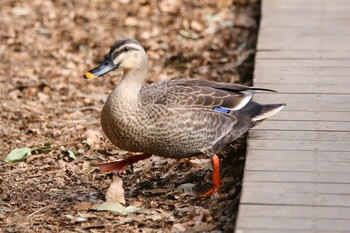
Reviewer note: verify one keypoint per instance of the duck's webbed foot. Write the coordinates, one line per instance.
(120, 166)
(215, 162)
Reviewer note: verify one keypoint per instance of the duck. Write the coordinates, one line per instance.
(178, 118)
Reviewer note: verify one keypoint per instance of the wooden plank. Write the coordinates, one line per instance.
(305, 71)
(316, 225)
(310, 188)
(301, 79)
(317, 106)
(297, 155)
(299, 135)
(305, 115)
(257, 230)
(313, 20)
(300, 97)
(302, 62)
(309, 17)
(301, 177)
(336, 14)
(304, 98)
(302, 54)
(301, 33)
(295, 199)
(307, 42)
(299, 145)
(312, 6)
(296, 166)
(308, 102)
(308, 88)
(321, 212)
(305, 126)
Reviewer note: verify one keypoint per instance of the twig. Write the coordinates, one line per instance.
(37, 211)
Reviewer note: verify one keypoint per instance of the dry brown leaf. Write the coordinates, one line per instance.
(82, 206)
(170, 6)
(92, 136)
(195, 25)
(180, 227)
(137, 203)
(115, 192)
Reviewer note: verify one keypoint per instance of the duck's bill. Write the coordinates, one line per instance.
(100, 70)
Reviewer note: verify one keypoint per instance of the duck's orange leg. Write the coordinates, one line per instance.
(216, 182)
(120, 166)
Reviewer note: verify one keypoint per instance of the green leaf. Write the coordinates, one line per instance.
(71, 154)
(184, 188)
(18, 154)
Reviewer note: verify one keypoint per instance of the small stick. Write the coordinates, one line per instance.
(45, 207)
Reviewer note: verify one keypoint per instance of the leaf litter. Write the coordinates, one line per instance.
(45, 48)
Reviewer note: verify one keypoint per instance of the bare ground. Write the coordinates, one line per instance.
(46, 46)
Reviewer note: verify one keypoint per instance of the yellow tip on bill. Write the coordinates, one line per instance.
(89, 75)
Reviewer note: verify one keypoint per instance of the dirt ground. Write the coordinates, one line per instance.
(45, 48)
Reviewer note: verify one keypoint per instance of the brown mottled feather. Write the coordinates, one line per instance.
(175, 118)
(176, 93)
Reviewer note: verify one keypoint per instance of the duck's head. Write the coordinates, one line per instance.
(125, 54)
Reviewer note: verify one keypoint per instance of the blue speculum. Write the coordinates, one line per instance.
(220, 109)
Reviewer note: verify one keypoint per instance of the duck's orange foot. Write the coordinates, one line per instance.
(120, 166)
(215, 162)
(209, 192)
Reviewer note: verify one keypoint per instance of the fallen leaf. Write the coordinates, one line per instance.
(119, 208)
(45, 148)
(190, 35)
(20, 11)
(85, 205)
(71, 154)
(155, 217)
(195, 25)
(115, 191)
(75, 219)
(86, 215)
(203, 227)
(131, 21)
(180, 227)
(184, 188)
(18, 154)
(92, 137)
(156, 191)
(170, 6)
(137, 203)
(199, 161)
(68, 153)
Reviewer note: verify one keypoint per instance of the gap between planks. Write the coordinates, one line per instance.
(289, 187)
(295, 199)
(299, 145)
(292, 125)
(298, 155)
(257, 134)
(296, 177)
(296, 166)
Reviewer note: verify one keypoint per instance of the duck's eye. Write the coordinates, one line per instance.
(125, 49)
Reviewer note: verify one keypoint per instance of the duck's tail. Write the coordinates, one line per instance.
(259, 112)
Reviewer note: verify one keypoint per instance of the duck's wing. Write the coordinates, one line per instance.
(196, 93)
(231, 87)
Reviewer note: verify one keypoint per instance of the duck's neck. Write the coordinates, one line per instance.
(130, 85)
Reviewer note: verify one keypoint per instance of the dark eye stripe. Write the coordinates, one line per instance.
(122, 50)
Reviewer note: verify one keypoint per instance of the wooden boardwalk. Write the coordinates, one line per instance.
(297, 173)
